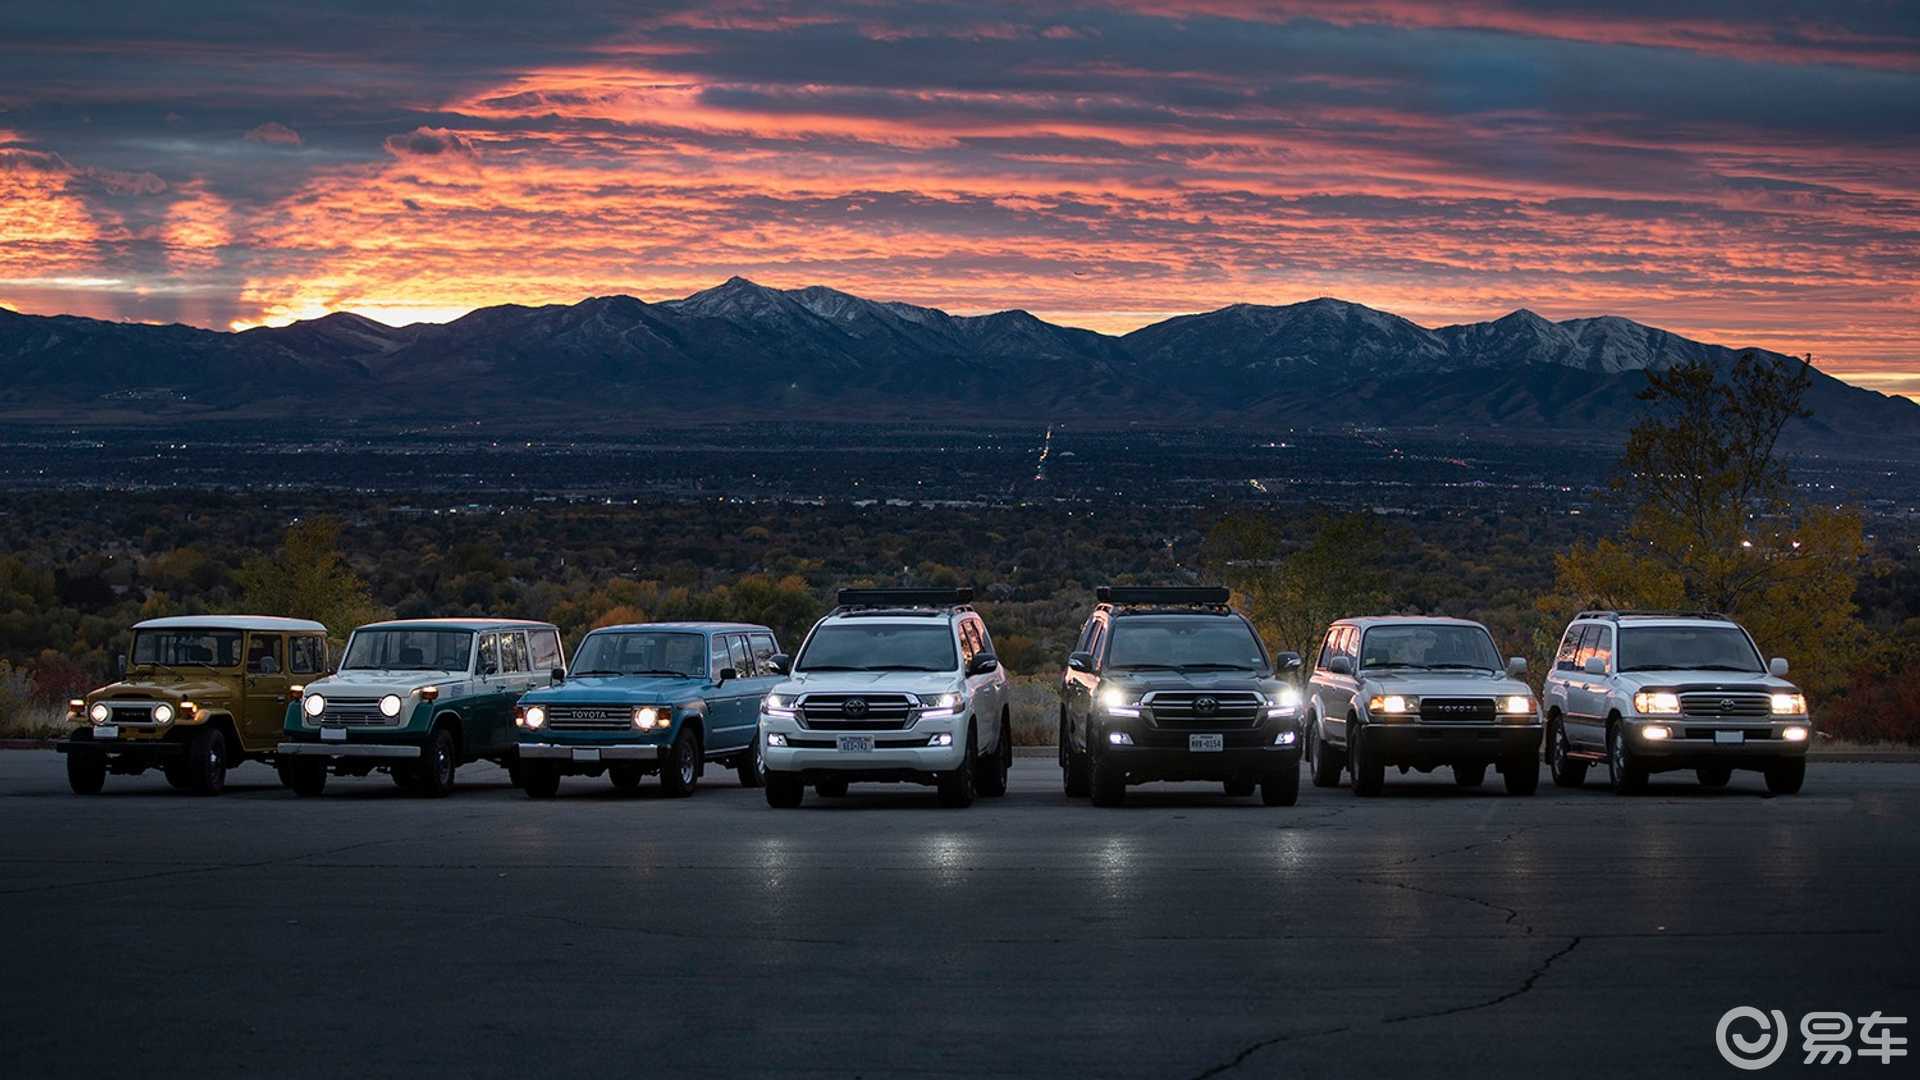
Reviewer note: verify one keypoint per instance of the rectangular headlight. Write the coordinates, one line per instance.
(1789, 704)
(1656, 703)
(1393, 704)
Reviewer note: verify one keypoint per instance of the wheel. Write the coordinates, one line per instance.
(306, 776)
(1106, 780)
(784, 790)
(956, 785)
(1241, 786)
(992, 776)
(1369, 775)
(539, 779)
(751, 767)
(86, 771)
(1522, 774)
(1470, 775)
(831, 788)
(433, 774)
(1327, 762)
(1714, 776)
(179, 777)
(1281, 788)
(681, 771)
(1627, 777)
(513, 771)
(1568, 771)
(1073, 766)
(207, 761)
(625, 777)
(1786, 777)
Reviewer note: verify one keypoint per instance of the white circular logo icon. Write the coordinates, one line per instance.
(1759, 1051)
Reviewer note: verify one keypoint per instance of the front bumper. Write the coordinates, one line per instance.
(1697, 741)
(157, 749)
(614, 752)
(1155, 753)
(348, 750)
(1423, 745)
(896, 755)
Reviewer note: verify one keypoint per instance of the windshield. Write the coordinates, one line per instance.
(1690, 648)
(187, 648)
(1184, 641)
(649, 653)
(879, 647)
(1429, 646)
(408, 650)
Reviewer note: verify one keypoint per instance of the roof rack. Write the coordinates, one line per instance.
(903, 599)
(1652, 614)
(1185, 596)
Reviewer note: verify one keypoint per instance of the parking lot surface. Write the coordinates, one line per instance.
(1186, 935)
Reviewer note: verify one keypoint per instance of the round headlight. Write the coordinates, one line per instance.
(100, 712)
(313, 704)
(390, 706)
(536, 715)
(163, 713)
(646, 716)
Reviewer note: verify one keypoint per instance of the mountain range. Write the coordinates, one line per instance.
(742, 350)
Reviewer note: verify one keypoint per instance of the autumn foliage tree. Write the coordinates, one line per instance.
(1294, 593)
(308, 578)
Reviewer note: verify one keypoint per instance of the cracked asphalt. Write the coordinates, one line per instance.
(1186, 935)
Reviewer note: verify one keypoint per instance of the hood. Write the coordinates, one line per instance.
(1146, 681)
(1704, 680)
(371, 682)
(165, 686)
(636, 689)
(1446, 684)
(852, 682)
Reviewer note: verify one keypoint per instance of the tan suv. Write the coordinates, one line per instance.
(197, 695)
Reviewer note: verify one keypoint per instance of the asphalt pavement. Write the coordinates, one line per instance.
(1186, 935)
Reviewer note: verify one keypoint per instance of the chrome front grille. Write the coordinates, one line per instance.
(856, 712)
(1214, 710)
(589, 717)
(1458, 711)
(1733, 705)
(355, 712)
(131, 714)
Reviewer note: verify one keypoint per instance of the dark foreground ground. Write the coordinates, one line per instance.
(1429, 932)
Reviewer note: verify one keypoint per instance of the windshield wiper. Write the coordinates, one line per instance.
(1211, 666)
(1460, 667)
(654, 671)
(596, 671)
(830, 667)
(1144, 667)
(1653, 667)
(1387, 664)
(1723, 667)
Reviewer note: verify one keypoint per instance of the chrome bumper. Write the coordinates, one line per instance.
(347, 749)
(614, 752)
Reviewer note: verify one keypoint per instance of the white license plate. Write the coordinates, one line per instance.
(856, 744)
(1734, 737)
(107, 731)
(1206, 744)
(333, 734)
(586, 755)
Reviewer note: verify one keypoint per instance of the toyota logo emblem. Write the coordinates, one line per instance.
(855, 706)
(1726, 704)
(1205, 706)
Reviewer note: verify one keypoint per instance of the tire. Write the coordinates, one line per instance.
(1241, 786)
(207, 761)
(306, 777)
(1327, 762)
(1369, 775)
(784, 790)
(1106, 780)
(1074, 767)
(751, 767)
(1627, 778)
(956, 785)
(992, 778)
(1786, 777)
(433, 773)
(1522, 774)
(86, 771)
(680, 772)
(539, 779)
(1470, 775)
(513, 770)
(1280, 788)
(1568, 771)
(1713, 776)
(625, 777)
(178, 776)
(831, 788)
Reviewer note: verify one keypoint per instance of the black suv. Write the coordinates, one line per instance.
(1172, 684)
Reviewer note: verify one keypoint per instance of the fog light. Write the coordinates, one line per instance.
(1656, 733)
(1285, 738)
(1119, 738)
(1795, 734)
(775, 738)
(944, 738)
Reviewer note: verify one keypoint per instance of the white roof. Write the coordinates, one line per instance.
(232, 622)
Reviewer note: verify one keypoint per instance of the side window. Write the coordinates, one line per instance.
(1603, 643)
(546, 649)
(986, 640)
(263, 654)
(1569, 648)
(1589, 637)
(306, 655)
(513, 648)
(1096, 637)
(489, 654)
(1085, 644)
(763, 648)
(719, 656)
(742, 658)
(969, 641)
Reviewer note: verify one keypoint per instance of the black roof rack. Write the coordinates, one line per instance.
(903, 599)
(1186, 596)
(1652, 614)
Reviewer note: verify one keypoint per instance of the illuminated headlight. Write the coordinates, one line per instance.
(1119, 738)
(1656, 703)
(941, 706)
(534, 717)
(1284, 703)
(775, 738)
(781, 706)
(1656, 733)
(1516, 705)
(1285, 738)
(651, 717)
(313, 705)
(1393, 704)
(944, 738)
(1794, 734)
(1789, 704)
(100, 713)
(1118, 702)
(163, 713)
(390, 706)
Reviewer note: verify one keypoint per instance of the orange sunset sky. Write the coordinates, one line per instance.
(1743, 173)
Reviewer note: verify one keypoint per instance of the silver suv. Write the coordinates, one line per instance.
(892, 685)
(1653, 691)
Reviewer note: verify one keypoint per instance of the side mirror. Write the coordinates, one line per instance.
(780, 662)
(558, 675)
(1080, 661)
(1340, 665)
(1777, 667)
(1593, 665)
(725, 674)
(1285, 662)
(1516, 666)
(983, 663)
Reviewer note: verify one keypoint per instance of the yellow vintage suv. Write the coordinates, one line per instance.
(197, 695)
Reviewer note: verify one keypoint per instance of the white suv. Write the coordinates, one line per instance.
(1652, 691)
(892, 685)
